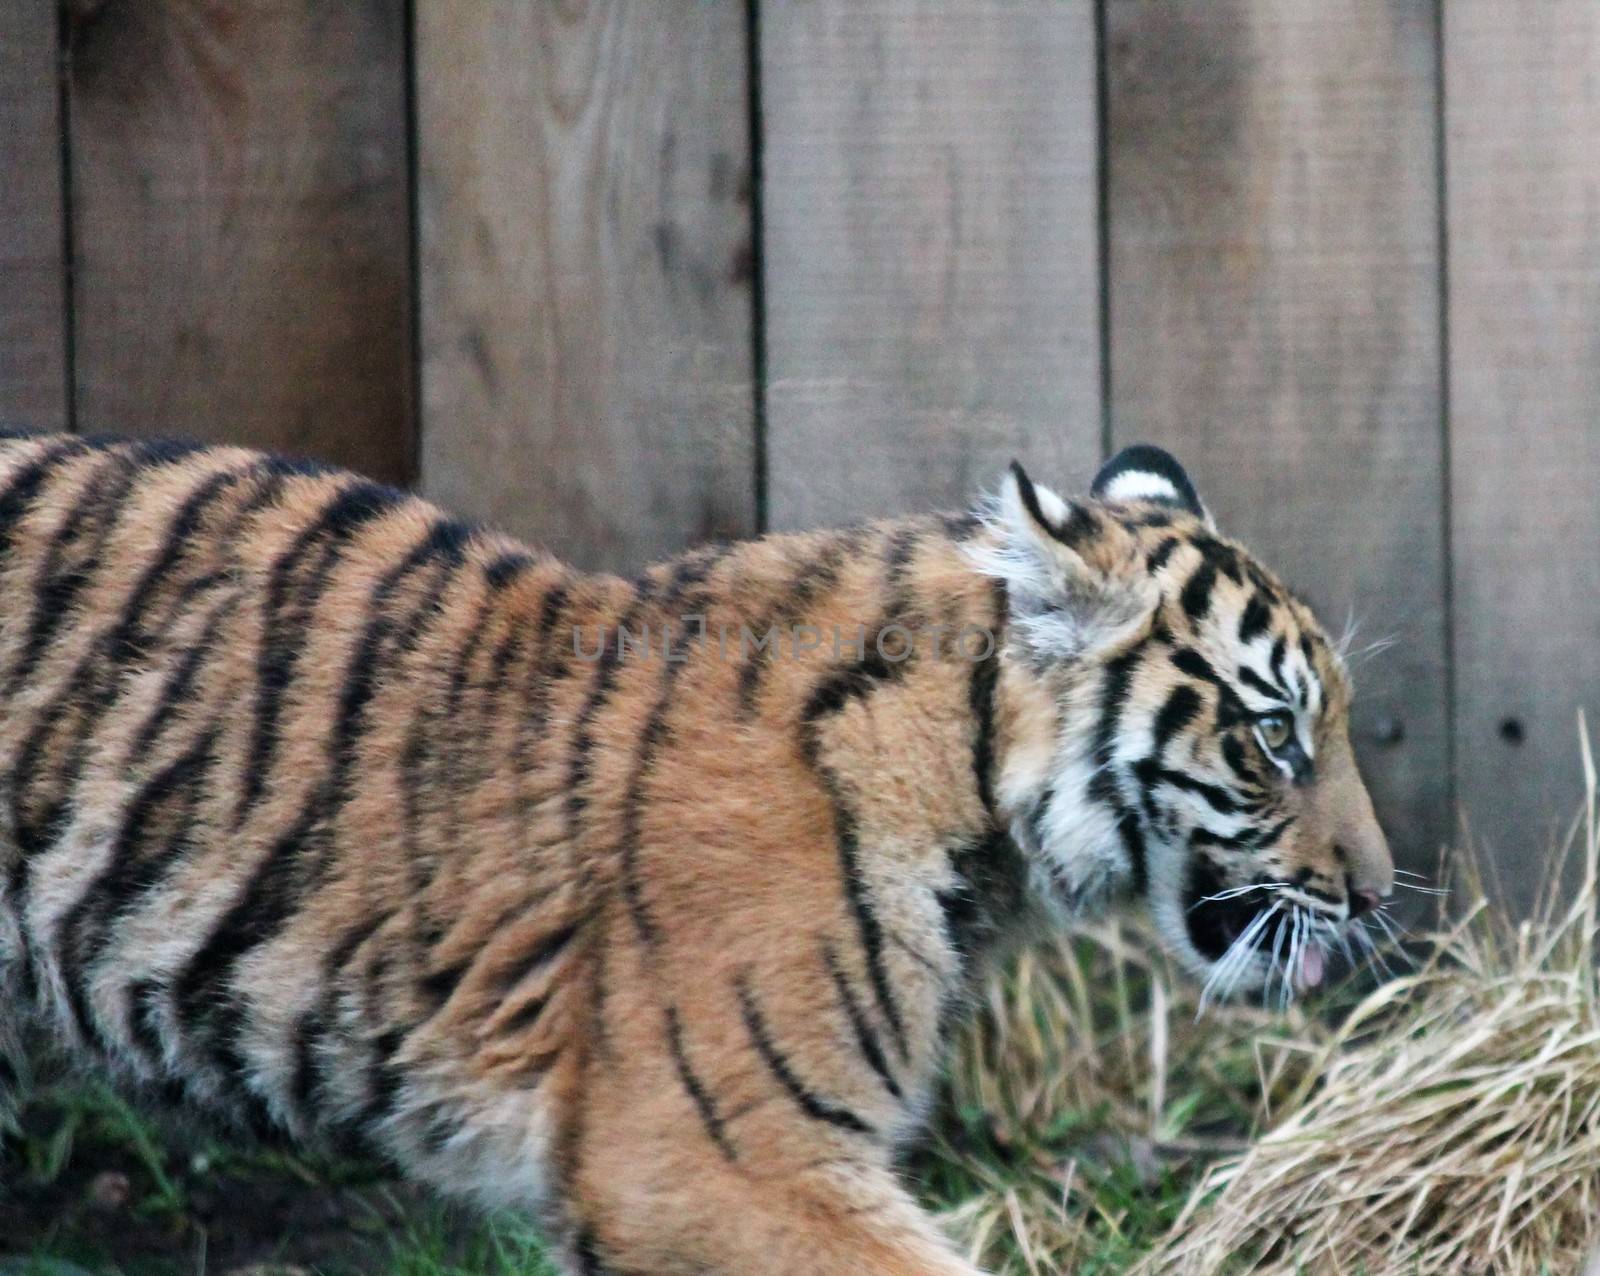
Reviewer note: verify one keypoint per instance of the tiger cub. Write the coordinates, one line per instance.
(643, 904)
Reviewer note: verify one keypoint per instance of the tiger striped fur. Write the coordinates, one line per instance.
(336, 819)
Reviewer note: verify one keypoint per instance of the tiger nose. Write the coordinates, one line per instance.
(1363, 901)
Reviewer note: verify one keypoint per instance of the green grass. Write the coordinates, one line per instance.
(94, 1185)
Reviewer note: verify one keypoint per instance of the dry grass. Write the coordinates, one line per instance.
(1087, 1099)
(1447, 1121)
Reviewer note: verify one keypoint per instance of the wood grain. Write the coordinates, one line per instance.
(240, 215)
(33, 377)
(1522, 123)
(587, 272)
(1274, 270)
(931, 251)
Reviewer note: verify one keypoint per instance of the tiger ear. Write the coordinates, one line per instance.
(1073, 583)
(1146, 473)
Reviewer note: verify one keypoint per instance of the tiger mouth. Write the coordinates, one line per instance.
(1269, 926)
(1214, 924)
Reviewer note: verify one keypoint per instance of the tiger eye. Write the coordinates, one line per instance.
(1277, 729)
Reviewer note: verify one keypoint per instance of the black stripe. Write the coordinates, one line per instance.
(1311, 668)
(440, 985)
(1270, 838)
(987, 895)
(899, 553)
(507, 567)
(23, 486)
(434, 738)
(1181, 708)
(704, 1103)
(456, 744)
(605, 680)
(176, 690)
(1082, 525)
(868, 927)
(143, 997)
(1224, 557)
(1245, 840)
(1280, 650)
(1038, 812)
(1256, 619)
(546, 950)
(820, 573)
(68, 563)
(866, 1038)
(538, 693)
(960, 527)
(980, 700)
(1151, 772)
(1161, 553)
(812, 1104)
(127, 636)
(71, 562)
(312, 1027)
(1256, 682)
(586, 1250)
(525, 1016)
(1103, 789)
(1196, 596)
(1233, 753)
(853, 682)
(1148, 518)
(1116, 683)
(1230, 708)
(383, 1083)
(288, 614)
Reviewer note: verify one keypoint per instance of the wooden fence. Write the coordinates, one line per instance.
(622, 276)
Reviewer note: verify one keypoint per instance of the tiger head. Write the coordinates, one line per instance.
(1180, 730)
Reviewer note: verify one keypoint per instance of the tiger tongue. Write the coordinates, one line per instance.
(1308, 974)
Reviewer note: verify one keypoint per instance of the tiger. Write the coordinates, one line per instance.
(644, 906)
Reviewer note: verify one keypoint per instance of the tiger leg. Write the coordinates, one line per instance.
(837, 1220)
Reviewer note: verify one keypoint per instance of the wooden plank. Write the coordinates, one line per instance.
(587, 271)
(1274, 279)
(1523, 166)
(33, 376)
(931, 250)
(240, 214)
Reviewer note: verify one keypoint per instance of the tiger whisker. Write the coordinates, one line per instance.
(1277, 968)
(1254, 934)
(1234, 892)
(1296, 950)
(1395, 934)
(1375, 958)
(1355, 659)
(1343, 934)
(1224, 975)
